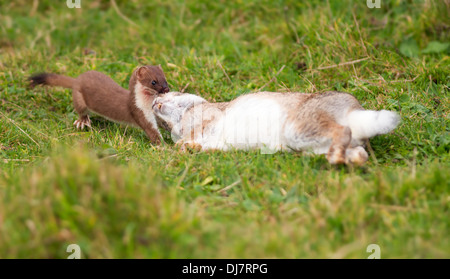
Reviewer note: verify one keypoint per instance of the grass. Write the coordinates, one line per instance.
(117, 196)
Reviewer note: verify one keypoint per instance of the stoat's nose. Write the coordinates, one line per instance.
(165, 89)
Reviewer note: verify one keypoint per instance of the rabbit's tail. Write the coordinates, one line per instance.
(369, 123)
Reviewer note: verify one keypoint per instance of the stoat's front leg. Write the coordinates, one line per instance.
(82, 121)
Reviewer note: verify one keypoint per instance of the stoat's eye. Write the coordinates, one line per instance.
(154, 82)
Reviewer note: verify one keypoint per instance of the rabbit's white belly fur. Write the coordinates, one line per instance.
(246, 125)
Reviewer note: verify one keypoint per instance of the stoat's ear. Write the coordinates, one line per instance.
(159, 66)
(140, 72)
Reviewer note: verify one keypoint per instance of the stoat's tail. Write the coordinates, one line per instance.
(52, 80)
(369, 123)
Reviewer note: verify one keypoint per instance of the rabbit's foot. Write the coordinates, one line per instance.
(188, 146)
(357, 156)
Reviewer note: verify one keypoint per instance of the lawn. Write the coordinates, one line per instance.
(115, 195)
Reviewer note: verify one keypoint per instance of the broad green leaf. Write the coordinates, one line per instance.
(409, 48)
(436, 47)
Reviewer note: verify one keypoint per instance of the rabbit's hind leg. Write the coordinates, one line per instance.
(340, 140)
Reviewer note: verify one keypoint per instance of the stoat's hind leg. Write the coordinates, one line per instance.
(82, 121)
(82, 110)
(357, 156)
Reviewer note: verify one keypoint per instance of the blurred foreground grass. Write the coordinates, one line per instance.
(138, 210)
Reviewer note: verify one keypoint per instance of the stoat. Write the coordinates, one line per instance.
(96, 92)
(331, 123)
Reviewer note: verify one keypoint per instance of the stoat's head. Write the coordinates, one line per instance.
(170, 108)
(150, 80)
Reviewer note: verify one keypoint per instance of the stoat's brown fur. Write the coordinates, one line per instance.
(96, 92)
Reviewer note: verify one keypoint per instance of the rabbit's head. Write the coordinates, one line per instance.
(170, 108)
